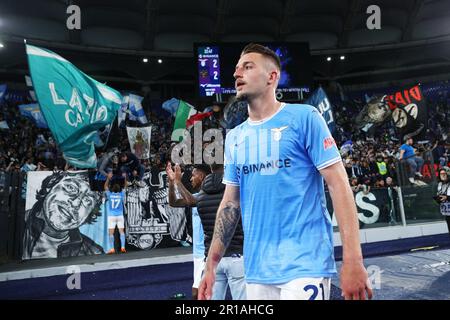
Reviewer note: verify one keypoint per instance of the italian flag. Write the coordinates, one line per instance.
(186, 116)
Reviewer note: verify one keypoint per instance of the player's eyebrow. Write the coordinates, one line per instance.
(245, 63)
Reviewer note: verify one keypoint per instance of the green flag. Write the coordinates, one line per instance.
(73, 104)
(184, 112)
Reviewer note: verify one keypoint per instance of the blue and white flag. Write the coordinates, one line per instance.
(171, 106)
(135, 107)
(320, 100)
(3, 89)
(33, 112)
(132, 105)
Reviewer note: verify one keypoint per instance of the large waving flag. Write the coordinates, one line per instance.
(409, 112)
(33, 112)
(320, 100)
(74, 105)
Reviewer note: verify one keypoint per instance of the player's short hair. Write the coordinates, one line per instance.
(265, 51)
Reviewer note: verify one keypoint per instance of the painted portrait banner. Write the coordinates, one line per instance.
(65, 218)
(139, 139)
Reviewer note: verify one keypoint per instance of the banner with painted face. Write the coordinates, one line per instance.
(58, 205)
(65, 218)
(74, 105)
(139, 139)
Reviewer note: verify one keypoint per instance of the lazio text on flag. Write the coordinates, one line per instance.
(74, 105)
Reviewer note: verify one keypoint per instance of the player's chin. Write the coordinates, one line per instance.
(241, 95)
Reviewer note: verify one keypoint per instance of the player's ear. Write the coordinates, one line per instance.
(273, 76)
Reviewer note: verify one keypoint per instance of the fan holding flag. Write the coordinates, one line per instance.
(74, 105)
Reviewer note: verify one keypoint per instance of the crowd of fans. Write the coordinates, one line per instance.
(370, 159)
(24, 147)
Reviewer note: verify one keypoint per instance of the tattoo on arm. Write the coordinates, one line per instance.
(226, 222)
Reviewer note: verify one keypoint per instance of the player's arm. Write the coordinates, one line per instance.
(354, 278)
(179, 196)
(227, 219)
(402, 152)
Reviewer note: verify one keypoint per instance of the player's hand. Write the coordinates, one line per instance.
(110, 175)
(355, 283)
(206, 285)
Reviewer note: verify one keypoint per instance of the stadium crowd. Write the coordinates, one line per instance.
(371, 159)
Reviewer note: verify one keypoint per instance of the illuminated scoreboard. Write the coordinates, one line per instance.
(208, 70)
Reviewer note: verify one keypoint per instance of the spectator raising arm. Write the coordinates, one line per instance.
(179, 196)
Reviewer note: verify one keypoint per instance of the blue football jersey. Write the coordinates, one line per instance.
(275, 162)
(114, 203)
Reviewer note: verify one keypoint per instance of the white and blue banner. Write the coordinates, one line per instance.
(132, 105)
(171, 106)
(33, 112)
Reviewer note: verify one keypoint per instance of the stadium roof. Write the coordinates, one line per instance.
(115, 34)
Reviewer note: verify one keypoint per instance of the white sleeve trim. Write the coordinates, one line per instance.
(231, 183)
(329, 163)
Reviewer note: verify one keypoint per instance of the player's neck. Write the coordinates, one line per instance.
(263, 107)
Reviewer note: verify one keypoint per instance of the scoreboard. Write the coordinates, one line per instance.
(208, 70)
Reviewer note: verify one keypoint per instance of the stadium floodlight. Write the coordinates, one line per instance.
(328, 58)
(342, 57)
(160, 61)
(1, 45)
(145, 60)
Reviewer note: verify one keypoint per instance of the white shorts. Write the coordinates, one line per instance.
(199, 265)
(297, 289)
(116, 220)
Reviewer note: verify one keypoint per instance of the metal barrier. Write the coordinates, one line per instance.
(399, 206)
(12, 210)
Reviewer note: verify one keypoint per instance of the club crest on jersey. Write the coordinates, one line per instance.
(277, 133)
(328, 142)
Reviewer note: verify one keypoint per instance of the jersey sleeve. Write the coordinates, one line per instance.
(230, 168)
(319, 142)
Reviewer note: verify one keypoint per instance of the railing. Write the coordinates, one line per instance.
(398, 206)
(12, 210)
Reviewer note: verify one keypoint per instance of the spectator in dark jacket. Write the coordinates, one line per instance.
(230, 271)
